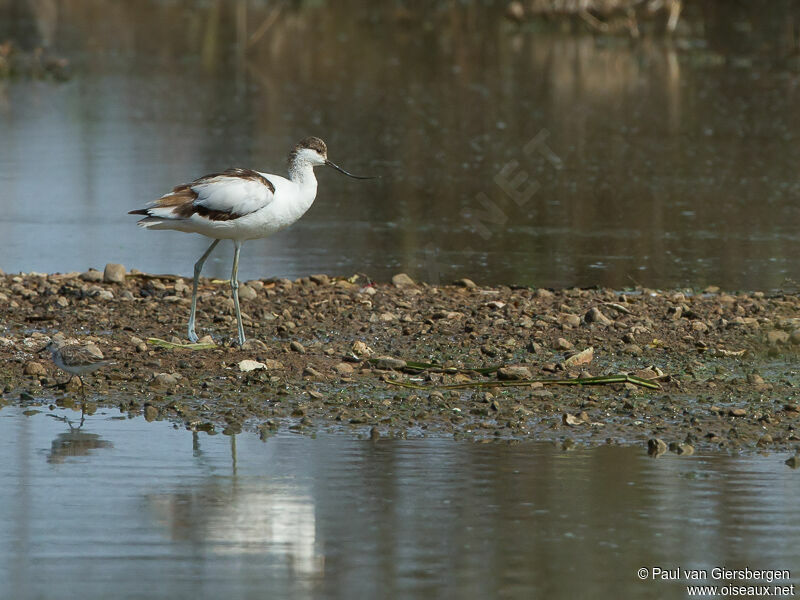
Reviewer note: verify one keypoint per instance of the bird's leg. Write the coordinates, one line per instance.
(198, 267)
(235, 289)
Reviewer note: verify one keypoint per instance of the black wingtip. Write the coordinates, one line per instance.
(140, 211)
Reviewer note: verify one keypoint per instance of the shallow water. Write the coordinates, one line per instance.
(661, 163)
(123, 508)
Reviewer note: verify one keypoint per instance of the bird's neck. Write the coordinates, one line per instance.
(301, 172)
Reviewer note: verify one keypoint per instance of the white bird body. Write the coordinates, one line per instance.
(261, 207)
(240, 205)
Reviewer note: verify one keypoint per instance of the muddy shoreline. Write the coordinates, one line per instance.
(323, 352)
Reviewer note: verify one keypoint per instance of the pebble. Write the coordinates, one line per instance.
(584, 357)
(595, 316)
(569, 320)
(632, 349)
(343, 368)
(514, 373)
(247, 365)
(681, 448)
(246, 293)
(150, 413)
(737, 412)
(312, 372)
(361, 349)
(776, 336)
(254, 344)
(402, 280)
(34, 369)
(793, 461)
(320, 279)
(388, 362)
(100, 293)
(562, 344)
(114, 273)
(164, 380)
(764, 440)
(755, 379)
(91, 275)
(656, 447)
(297, 347)
(466, 283)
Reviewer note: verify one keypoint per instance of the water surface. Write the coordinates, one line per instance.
(123, 508)
(661, 162)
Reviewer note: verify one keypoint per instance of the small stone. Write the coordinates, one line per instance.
(164, 380)
(297, 347)
(595, 316)
(312, 372)
(388, 317)
(343, 368)
(402, 280)
(34, 369)
(793, 461)
(320, 279)
(681, 448)
(466, 283)
(114, 273)
(513, 373)
(150, 413)
(562, 344)
(765, 440)
(526, 322)
(572, 420)
(254, 344)
(776, 336)
(737, 412)
(675, 312)
(656, 447)
(632, 349)
(569, 320)
(584, 357)
(247, 365)
(273, 365)
(91, 275)
(100, 293)
(361, 349)
(755, 379)
(246, 293)
(388, 362)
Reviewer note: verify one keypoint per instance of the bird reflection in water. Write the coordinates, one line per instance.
(75, 442)
(233, 516)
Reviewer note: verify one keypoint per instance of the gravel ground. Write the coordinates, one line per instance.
(323, 352)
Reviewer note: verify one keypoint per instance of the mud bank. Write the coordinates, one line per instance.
(325, 352)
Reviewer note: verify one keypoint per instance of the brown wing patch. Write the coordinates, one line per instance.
(182, 197)
(235, 172)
